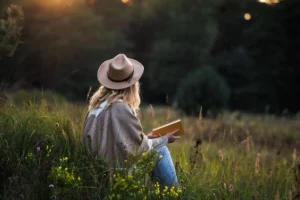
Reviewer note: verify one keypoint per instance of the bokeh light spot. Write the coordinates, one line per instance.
(247, 16)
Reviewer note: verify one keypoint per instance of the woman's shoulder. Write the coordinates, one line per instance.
(121, 107)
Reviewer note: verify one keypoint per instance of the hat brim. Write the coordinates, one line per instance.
(106, 82)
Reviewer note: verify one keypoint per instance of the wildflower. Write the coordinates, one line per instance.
(66, 158)
(38, 148)
(51, 186)
(79, 178)
(160, 157)
(144, 154)
(57, 124)
(29, 156)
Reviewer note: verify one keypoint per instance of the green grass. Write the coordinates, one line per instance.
(245, 157)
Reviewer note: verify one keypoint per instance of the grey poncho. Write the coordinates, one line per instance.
(114, 132)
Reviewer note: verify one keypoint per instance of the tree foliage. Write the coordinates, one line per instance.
(66, 41)
(204, 88)
(64, 46)
(10, 30)
(178, 38)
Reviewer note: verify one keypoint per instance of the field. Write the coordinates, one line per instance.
(234, 156)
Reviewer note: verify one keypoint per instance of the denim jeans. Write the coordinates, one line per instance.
(164, 171)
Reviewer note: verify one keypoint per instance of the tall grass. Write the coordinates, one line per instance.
(41, 156)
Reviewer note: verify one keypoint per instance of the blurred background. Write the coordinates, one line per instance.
(215, 54)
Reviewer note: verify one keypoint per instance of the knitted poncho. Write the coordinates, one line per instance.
(114, 133)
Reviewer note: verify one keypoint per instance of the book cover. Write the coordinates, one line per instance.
(167, 128)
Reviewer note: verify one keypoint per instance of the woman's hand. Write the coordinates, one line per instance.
(151, 136)
(171, 137)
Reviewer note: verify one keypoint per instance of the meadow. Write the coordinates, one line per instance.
(232, 156)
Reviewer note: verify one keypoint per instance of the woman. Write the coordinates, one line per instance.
(111, 128)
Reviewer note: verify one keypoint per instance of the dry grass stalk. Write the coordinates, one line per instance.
(235, 145)
(265, 158)
(244, 141)
(294, 156)
(200, 113)
(88, 94)
(257, 164)
(277, 197)
(294, 188)
(221, 154)
(290, 195)
(152, 115)
(64, 134)
(235, 169)
(168, 115)
(249, 145)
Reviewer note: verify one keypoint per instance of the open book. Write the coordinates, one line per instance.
(168, 128)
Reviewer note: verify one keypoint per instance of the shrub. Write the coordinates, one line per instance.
(202, 88)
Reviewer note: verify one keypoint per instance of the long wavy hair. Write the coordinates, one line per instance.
(130, 95)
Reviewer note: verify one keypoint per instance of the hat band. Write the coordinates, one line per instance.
(128, 79)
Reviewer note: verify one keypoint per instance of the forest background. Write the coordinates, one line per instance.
(216, 54)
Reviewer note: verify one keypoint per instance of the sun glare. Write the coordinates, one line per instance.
(125, 1)
(269, 1)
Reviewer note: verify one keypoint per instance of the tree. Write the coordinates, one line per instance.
(64, 44)
(173, 38)
(10, 31)
(205, 88)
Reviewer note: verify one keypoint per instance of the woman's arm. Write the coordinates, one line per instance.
(157, 142)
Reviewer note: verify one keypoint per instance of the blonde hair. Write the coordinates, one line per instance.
(130, 95)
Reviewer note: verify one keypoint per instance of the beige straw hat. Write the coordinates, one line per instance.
(120, 72)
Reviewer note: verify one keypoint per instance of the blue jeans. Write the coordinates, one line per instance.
(164, 171)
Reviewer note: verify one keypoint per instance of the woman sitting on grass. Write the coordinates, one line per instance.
(111, 128)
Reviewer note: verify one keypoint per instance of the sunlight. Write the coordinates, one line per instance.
(125, 1)
(269, 1)
(54, 3)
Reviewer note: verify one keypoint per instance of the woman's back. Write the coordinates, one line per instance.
(113, 132)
